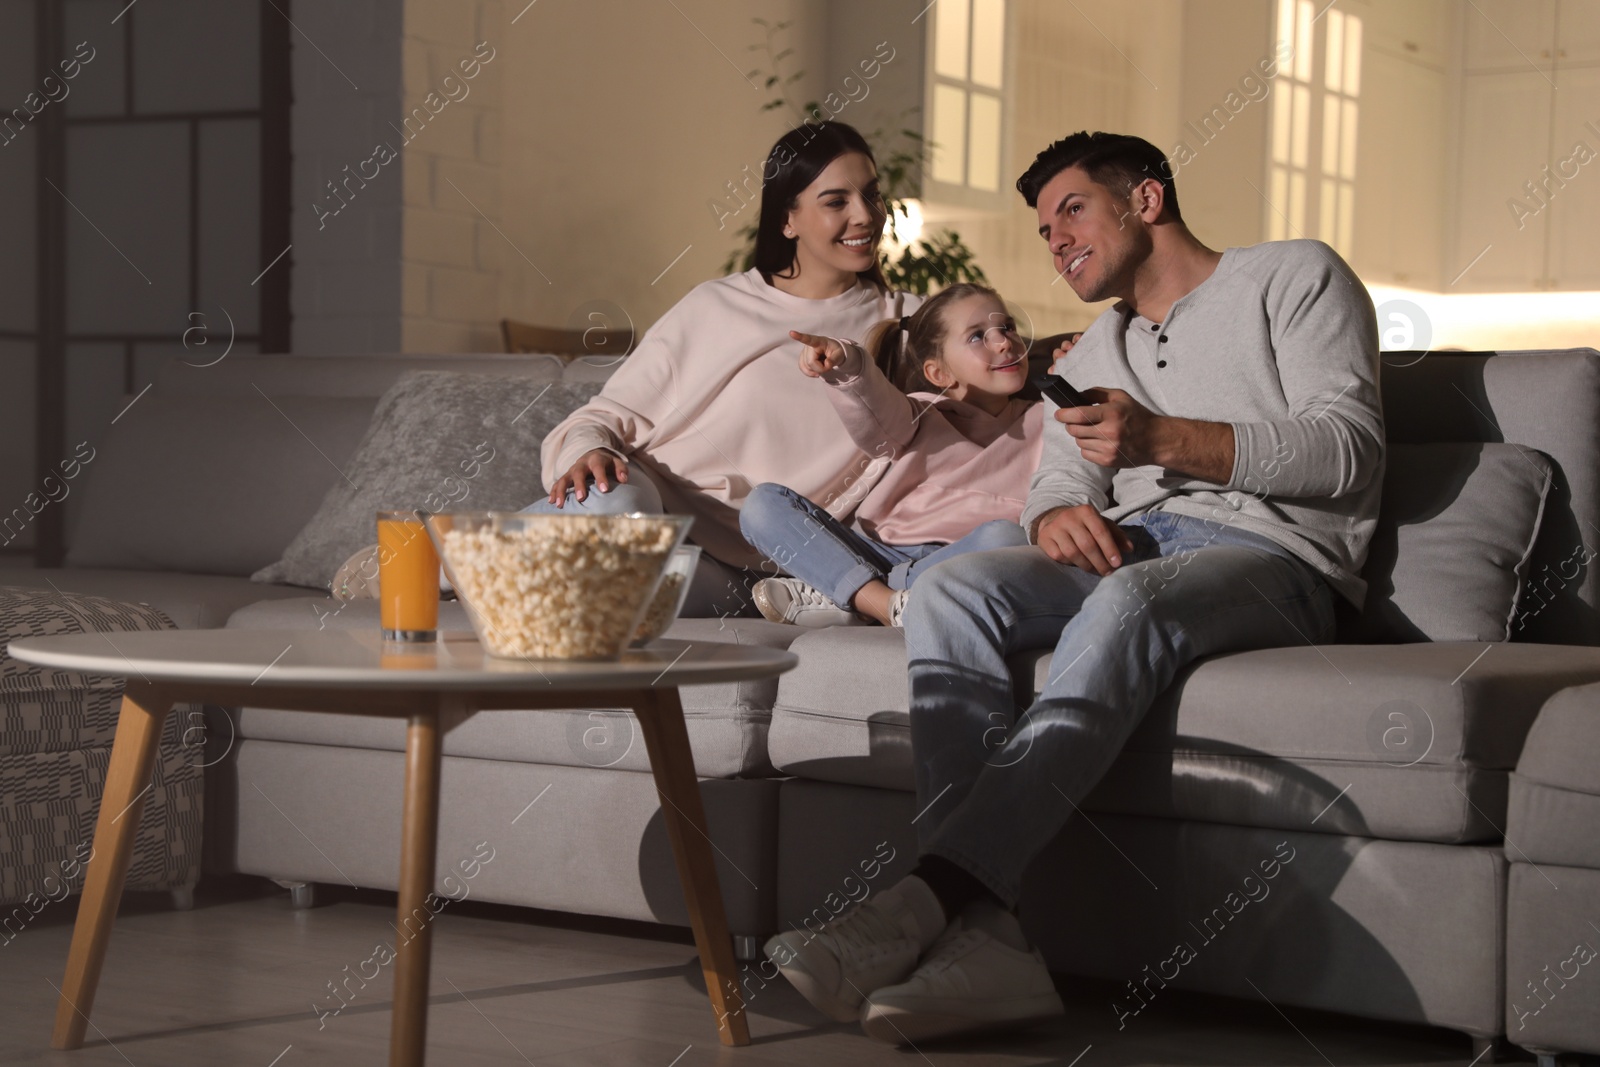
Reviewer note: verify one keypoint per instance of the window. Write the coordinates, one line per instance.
(1302, 98)
(966, 102)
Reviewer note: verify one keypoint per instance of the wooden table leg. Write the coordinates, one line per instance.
(666, 739)
(408, 1030)
(133, 754)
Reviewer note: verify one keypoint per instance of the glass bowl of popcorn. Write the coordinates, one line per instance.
(562, 587)
(667, 603)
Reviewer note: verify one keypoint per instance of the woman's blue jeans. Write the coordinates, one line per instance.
(995, 782)
(827, 555)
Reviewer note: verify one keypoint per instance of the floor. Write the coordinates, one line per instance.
(245, 980)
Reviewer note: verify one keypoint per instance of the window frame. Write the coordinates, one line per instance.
(1297, 167)
(962, 195)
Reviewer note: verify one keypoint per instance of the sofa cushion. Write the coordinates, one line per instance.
(1544, 400)
(191, 601)
(1406, 742)
(727, 723)
(1555, 793)
(210, 485)
(1455, 530)
(437, 440)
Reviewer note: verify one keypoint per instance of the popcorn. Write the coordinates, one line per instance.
(663, 609)
(569, 588)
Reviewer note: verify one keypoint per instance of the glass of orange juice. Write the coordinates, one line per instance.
(408, 577)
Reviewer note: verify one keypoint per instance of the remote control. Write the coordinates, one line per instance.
(1056, 388)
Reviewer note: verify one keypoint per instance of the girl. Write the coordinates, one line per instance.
(706, 407)
(963, 449)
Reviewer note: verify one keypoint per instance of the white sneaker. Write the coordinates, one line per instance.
(793, 601)
(980, 974)
(897, 608)
(874, 944)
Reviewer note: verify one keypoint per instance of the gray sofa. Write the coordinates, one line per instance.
(1389, 878)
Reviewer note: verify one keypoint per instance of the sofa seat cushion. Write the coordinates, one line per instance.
(1407, 742)
(1555, 792)
(727, 723)
(191, 601)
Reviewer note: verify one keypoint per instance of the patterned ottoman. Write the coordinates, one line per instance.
(56, 729)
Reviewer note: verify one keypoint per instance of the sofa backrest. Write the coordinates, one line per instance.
(356, 375)
(216, 468)
(1548, 400)
(173, 490)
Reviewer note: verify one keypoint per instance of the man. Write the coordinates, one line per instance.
(1216, 495)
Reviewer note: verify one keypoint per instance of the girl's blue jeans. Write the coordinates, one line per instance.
(829, 556)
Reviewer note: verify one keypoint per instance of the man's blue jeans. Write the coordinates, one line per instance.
(995, 786)
(827, 555)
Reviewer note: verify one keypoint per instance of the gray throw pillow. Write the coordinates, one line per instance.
(440, 441)
(1450, 553)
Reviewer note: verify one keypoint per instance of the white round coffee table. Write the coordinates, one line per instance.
(355, 672)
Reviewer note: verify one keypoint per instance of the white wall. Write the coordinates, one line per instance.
(623, 124)
(1077, 67)
(611, 150)
(451, 250)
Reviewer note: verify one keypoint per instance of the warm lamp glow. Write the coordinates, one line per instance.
(905, 226)
(1503, 321)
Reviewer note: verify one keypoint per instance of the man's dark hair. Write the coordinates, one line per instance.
(1115, 161)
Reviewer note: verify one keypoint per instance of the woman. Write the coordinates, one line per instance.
(706, 408)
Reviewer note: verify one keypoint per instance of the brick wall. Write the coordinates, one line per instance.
(452, 54)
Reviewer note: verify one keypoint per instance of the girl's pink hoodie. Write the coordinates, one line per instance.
(953, 466)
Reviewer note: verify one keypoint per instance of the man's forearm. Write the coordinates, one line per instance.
(1198, 449)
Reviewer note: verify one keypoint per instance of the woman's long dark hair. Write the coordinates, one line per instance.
(794, 163)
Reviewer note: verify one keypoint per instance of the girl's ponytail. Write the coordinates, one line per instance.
(885, 345)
